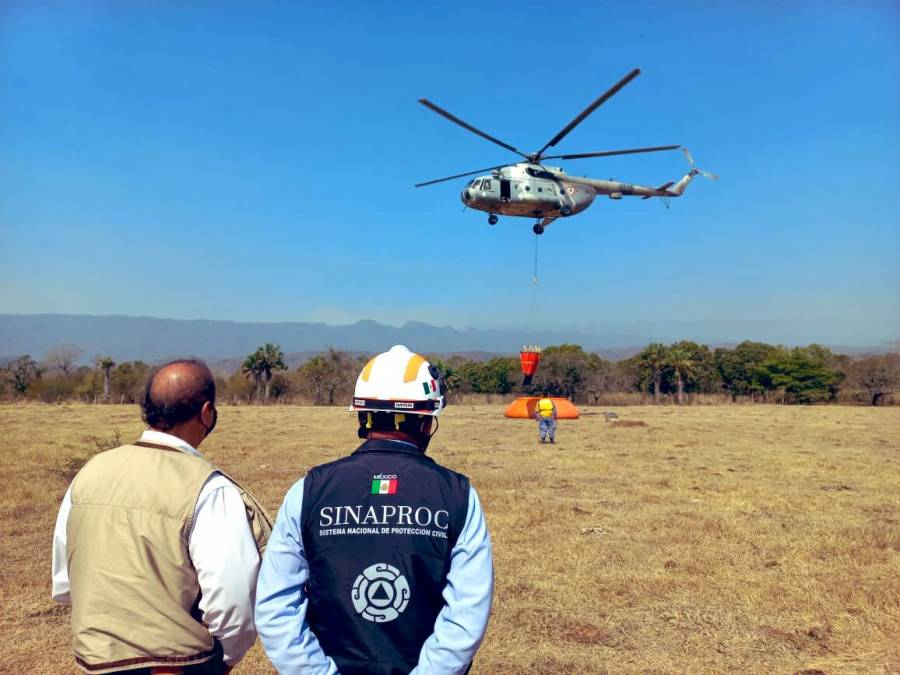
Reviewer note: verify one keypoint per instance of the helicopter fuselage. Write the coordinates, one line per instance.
(527, 190)
(538, 191)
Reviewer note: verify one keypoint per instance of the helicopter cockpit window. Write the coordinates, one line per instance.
(476, 182)
(486, 184)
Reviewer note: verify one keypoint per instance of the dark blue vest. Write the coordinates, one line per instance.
(378, 529)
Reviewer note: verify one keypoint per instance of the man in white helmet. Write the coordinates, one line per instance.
(379, 562)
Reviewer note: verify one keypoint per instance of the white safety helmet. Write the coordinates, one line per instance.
(399, 381)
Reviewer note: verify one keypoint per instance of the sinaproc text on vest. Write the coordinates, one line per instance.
(384, 519)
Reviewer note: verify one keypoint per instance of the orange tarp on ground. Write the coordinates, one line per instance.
(523, 408)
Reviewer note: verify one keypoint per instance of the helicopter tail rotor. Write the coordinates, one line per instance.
(694, 169)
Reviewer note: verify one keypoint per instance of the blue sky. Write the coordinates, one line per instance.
(255, 161)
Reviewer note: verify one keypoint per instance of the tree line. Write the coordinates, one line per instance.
(679, 373)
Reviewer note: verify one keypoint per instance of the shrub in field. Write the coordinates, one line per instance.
(129, 379)
(875, 378)
(802, 375)
(19, 374)
(72, 463)
(328, 378)
(741, 369)
(495, 376)
(63, 358)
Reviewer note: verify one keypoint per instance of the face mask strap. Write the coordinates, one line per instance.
(209, 429)
(426, 440)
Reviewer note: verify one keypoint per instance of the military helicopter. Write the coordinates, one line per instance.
(531, 190)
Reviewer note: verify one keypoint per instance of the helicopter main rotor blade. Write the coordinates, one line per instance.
(610, 153)
(465, 125)
(460, 175)
(591, 108)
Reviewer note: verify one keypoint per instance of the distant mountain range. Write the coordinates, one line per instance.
(150, 339)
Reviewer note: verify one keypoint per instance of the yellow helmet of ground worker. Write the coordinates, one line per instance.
(399, 381)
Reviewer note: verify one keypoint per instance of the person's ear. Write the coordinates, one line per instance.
(207, 414)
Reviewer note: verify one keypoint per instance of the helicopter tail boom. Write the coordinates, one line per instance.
(616, 190)
(678, 188)
(662, 188)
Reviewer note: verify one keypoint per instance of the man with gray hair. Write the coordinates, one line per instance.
(155, 548)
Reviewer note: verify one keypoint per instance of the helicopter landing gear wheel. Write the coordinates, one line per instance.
(538, 229)
(492, 219)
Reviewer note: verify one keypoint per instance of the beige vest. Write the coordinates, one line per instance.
(134, 590)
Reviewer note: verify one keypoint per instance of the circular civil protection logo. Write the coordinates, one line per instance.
(380, 593)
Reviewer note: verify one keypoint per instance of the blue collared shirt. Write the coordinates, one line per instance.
(281, 601)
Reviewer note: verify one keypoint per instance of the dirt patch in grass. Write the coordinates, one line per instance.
(628, 423)
(584, 633)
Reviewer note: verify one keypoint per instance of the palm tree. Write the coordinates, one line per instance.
(680, 361)
(262, 363)
(654, 358)
(250, 368)
(106, 364)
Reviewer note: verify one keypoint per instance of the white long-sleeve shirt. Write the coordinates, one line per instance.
(222, 550)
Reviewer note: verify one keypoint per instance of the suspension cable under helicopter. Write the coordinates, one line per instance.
(534, 280)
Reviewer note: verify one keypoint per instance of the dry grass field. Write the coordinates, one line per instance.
(713, 539)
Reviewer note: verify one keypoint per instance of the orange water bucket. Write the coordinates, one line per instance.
(529, 360)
